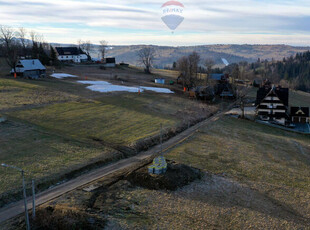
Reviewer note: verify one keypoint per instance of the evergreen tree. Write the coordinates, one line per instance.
(43, 57)
(35, 51)
(53, 56)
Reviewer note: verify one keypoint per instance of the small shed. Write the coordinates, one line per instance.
(300, 115)
(109, 62)
(160, 81)
(30, 68)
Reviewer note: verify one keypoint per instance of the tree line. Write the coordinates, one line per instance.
(16, 44)
(292, 72)
(295, 70)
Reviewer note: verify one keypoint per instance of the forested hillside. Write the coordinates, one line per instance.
(295, 70)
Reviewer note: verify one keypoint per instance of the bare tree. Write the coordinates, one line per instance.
(86, 46)
(194, 59)
(146, 57)
(188, 66)
(22, 33)
(33, 36)
(183, 67)
(103, 48)
(11, 46)
(209, 63)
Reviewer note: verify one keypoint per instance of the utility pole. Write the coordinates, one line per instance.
(242, 106)
(33, 200)
(161, 139)
(25, 202)
(24, 192)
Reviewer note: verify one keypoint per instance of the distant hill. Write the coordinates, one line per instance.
(166, 55)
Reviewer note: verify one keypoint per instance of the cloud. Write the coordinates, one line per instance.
(223, 20)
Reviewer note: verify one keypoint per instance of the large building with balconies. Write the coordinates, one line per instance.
(272, 104)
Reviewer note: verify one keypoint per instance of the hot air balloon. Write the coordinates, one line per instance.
(172, 14)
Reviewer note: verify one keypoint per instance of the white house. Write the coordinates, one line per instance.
(70, 54)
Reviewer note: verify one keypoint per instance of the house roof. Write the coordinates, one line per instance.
(30, 64)
(281, 93)
(300, 111)
(67, 50)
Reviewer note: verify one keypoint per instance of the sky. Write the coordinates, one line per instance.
(133, 22)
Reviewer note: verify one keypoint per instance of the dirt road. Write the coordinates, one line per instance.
(17, 208)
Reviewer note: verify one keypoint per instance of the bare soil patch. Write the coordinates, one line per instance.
(177, 176)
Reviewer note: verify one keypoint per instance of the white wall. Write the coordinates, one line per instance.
(73, 58)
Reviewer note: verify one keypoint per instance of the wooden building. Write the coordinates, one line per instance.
(300, 115)
(30, 68)
(110, 62)
(272, 104)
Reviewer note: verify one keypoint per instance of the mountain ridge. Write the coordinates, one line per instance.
(234, 53)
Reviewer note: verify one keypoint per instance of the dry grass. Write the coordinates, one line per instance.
(4, 67)
(299, 98)
(121, 119)
(255, 177)
(43, 155)
(16, 94)
(259, 180)
(50, 120)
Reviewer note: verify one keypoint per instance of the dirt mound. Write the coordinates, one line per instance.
(177, 176)
(52, 218)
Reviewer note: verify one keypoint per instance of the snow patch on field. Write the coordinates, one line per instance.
(62, 75)
(158, 90)
(106, 87)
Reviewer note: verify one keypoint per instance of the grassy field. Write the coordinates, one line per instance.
(299, 98)
(272, 162)
(56, 126)
(255, 177)
(265, 155)
(41, 154)
(16, 94)
(121, 119)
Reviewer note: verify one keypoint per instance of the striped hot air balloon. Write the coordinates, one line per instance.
(172, 14)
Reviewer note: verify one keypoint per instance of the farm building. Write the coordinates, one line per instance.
(70, 54)
(225, 90)
(300, 115)
(219, 77)
(30, 68)
(109, 62)
(272, 104)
